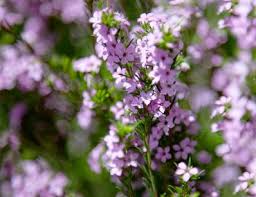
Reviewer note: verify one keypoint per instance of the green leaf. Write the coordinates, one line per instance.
(123, 130)
(251, 82)
(105, 73)
(197, 194)
(109, 20)
(101, 96)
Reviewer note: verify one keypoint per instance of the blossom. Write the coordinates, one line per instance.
(87, 64)
(26, 76)
(145, 91)
(94, 158)
(118, 110)
(16, 114)
(125, 54)
(221, 106)
(165, 123)
(186, 172)
(204, 157)
(50, 183)
(154, 137)
(184, 148)
(143, 70)
(84, 117)
(245, 181)
(162, 58)
(163, 154)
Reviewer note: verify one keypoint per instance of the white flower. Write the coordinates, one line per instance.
(222, 106)
(215, 127)
(186, 172)
(245, 181)
(184, 66)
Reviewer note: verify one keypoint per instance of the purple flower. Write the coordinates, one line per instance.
(165, 123)
(94, 158)
(84, 117)
(57, 184)
(154, 137)
(125, 54)
(184, 148)
(87, 64)
(16, 114)
(118, 110)
(163, 154)
(204, 157)
(48, 183)
(168, 89)
(162, 58)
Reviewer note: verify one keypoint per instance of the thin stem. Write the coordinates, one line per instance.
(128, 186)
(151, 176)
(148, 163)
(130, 190)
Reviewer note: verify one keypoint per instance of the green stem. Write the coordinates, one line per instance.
(130, 190)
(185, 190)
(148, 163)
(129, 185)
(151, 176)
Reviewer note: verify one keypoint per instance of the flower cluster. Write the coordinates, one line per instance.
(246, 183)
(27, 43)
(152, 93)
(235, 110)
(88, 66)
(143, 64)
(146, 64)
(27, 74)
(35, 179)
(34, 15)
